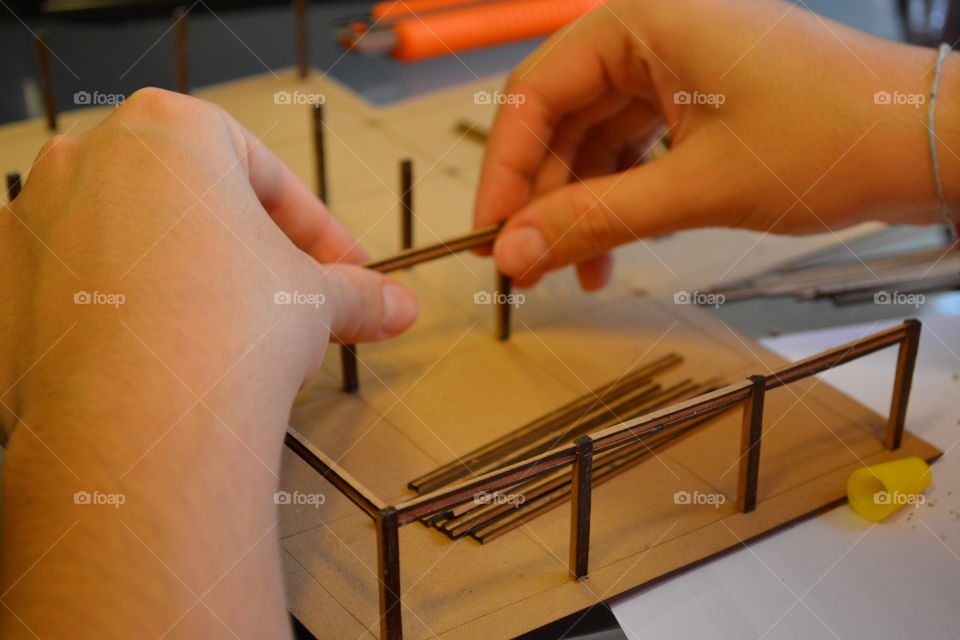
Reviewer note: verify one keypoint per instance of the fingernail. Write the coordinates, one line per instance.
(521, 250)
(400, 309)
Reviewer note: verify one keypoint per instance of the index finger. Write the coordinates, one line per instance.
(568, 72)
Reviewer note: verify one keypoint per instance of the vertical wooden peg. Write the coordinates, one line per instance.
(300, 36)
(13, 186)
(320, 154)
(181, 56)
(388, 574)
(406, 204)
(582, 473)
(45, 74)
(348, 363)
(750, 434)
(502, 306)
(906, 360)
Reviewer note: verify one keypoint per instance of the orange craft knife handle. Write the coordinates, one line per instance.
(403, 8)
(484, 25)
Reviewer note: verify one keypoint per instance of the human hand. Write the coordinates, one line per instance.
(168, 286)
(171, 204)
(772, 116)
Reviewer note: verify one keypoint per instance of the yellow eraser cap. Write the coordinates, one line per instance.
(878, 491)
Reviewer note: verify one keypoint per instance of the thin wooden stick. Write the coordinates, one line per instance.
(903, 380)
(320, 153)
(300, 36)
(388, 568)
(440, 249)
(550, 422)
(751, 431)
(504, 285)
(348, 364)
(13, 185)
(471, 515)
(406, 204)
(45, 74)
(612, 466)
(181, 52)
(581, 491)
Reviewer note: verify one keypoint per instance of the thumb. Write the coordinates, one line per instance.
(366, 305)
(583, 220)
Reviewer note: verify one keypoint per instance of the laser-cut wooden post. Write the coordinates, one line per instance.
(388, 574)
(13, 186)
(45, 74)
(180, 51)
(320, 153)
(406, 203)
(502, 306)
(300, 36)
(906, 360)
(348, 364)
(751, 432)
(581, 478)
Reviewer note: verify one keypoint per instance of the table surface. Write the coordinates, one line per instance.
(838, 576)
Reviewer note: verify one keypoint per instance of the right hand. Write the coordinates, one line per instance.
(773, 120)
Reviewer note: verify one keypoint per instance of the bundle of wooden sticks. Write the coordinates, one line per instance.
(488, 516)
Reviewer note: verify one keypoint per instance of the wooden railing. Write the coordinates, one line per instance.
(579, 457)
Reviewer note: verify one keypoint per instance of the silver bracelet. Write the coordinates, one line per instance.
(952, 221)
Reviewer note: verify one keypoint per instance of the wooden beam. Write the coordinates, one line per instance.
(348, 365)
(180, 51)
(581, 484)
(300, 37)
(13, 185)
(906, 361)
(750, 434)
(45, 75)
(320, 153)
(388, 574)
(502, 304)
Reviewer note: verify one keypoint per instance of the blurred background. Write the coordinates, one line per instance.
(117, 46)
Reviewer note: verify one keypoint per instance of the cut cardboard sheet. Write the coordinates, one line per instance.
(448, 387)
